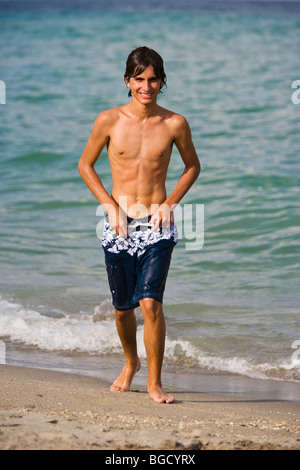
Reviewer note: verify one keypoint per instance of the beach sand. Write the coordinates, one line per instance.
(42, 409)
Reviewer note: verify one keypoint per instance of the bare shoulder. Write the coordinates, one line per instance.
(107, 118)
(177, 123)
(105, 122)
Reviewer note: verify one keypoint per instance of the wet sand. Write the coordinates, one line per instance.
(44, 410)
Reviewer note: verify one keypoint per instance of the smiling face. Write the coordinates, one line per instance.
(146, 86)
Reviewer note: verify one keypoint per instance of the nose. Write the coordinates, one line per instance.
(147, 85)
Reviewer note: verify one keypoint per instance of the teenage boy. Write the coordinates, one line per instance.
(139, 232)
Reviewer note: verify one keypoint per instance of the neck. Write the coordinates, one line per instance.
(143, 111)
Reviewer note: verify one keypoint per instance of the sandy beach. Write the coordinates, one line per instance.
(44, 410)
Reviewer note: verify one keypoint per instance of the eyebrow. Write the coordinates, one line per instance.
(141, 78)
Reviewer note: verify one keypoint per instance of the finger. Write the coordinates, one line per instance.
(171, 218)
(155, 223)
(123, 230)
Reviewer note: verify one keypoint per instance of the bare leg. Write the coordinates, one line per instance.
(126, 326)
(154, 337)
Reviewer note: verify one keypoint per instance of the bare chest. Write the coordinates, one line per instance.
(134, 142)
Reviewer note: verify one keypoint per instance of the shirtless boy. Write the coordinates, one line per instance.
(139, 232)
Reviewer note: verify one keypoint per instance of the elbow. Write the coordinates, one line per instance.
(197, 169)
(81, 167)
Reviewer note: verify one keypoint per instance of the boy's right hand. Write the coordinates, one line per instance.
(117, 220)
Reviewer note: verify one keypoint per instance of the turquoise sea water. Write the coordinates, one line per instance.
(231, 307)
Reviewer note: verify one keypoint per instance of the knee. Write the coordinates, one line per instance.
(152, 310)
(122, 315)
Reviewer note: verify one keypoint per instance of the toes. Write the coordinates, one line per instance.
(115, 388)
(170, 400)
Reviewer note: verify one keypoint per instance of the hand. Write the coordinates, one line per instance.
(162, 217)
(117, 220)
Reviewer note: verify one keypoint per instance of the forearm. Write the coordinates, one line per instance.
(117, 218)
(94, 183)
(185, 182)
(163, 216)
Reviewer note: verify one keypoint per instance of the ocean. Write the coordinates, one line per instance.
(231, 305)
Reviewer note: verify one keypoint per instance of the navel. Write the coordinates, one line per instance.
(121, 152)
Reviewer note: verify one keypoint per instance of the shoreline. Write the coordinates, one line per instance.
(43, 409)
(179, 377)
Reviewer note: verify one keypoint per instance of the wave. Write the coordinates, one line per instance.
(96, 334)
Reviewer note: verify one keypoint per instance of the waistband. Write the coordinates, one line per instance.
(138, 224)
(139, 220)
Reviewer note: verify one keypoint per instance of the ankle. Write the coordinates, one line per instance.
(133, 363)
(154, 383)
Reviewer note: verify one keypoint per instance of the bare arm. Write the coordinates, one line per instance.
(192, 168)
(95, 145)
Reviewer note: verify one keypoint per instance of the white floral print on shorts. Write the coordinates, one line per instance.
(140, 235)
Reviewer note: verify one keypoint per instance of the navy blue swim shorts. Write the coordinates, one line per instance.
(137, 265)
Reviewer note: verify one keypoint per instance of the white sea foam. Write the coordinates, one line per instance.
(68, 333)
(96, 334)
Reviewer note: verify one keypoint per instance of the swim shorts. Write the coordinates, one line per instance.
(137, 265)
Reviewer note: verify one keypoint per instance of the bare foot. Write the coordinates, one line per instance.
(158, 395)
(123, 382)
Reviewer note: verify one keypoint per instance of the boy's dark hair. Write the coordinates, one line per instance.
(141, 58)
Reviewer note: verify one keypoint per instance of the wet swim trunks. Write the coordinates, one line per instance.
(138, 265)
